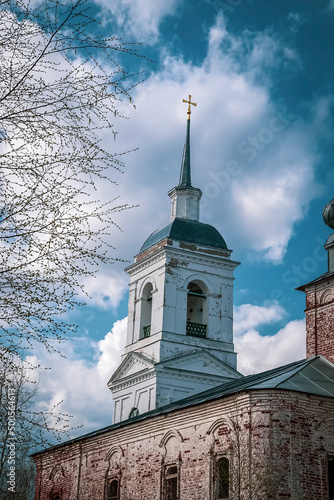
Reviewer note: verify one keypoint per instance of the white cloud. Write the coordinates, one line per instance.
(295, 20)
(272, 184)
(106, 289)
(111, 348)
(256, 352)
(330, 5)
(249, 316)
(256, 54)
(269, 206)
(79, 384)
(323, 115)
(139, 18)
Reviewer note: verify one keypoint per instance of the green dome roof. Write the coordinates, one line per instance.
(187, 230)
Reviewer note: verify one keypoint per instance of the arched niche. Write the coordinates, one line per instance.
(222, 435)
(112, 486)
(57, 477)
(221, 422)
(326, 297)
(114, 455)
(173, 433)
(170, 445)
(56, 473)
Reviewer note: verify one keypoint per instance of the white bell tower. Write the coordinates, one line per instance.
(180, 321)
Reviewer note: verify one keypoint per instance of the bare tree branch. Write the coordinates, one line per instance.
(60, 87)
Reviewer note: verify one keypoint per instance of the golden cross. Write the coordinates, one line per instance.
(189, 102)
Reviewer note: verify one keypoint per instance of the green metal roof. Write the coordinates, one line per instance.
(187, 230)
(326, 275)
(311, 376)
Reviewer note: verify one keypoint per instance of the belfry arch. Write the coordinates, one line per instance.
(146, 310)
(197, 308)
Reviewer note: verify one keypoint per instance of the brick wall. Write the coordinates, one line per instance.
(278, 443)
(320, 319)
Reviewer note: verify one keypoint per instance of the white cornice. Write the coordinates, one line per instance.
(200, 258)
(148, 261)
(190, 256)
(180, 374)
(169, 373)
(132, 380)
(201, 342)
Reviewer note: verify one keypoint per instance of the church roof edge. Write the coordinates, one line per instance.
(324, 276)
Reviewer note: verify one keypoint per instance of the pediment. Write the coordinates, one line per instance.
(132, 364)
(200, 362)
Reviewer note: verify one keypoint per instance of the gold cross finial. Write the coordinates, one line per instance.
(189, 102)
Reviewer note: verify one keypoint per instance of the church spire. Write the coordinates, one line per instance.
(185, 175)
(185, 198)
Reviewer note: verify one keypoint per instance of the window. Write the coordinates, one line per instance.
(222, 478)
(196, 310)
(171, 485)
(331, 478)
(146, 311)
(134, 412)
(113, 489)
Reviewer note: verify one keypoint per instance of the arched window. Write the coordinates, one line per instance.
(113, 489)
(196, 310)
(134, 412)
(222, 478)
(171, 483)
(146, 311)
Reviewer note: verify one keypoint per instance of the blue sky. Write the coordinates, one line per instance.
(261, 151)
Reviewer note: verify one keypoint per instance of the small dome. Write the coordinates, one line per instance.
(330, 241)
(187, 230)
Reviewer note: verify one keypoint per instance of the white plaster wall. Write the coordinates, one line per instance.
(218, 280)
(171, 388)
(141, 395)
(154, 274)
(170, 274)
(177, 345)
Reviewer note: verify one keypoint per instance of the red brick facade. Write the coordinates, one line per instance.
(275, 443)
(320, 318)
